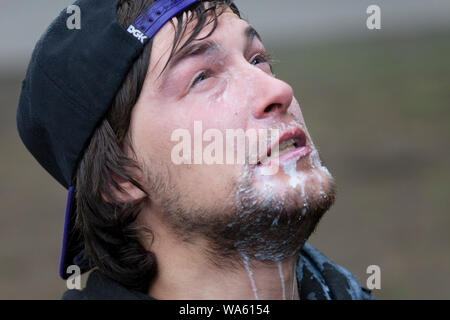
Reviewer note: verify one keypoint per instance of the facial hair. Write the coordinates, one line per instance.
(264, 226)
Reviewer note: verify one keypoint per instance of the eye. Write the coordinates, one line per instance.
(262, 58)
(201, 77)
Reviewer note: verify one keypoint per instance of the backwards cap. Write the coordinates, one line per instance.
(71, 82)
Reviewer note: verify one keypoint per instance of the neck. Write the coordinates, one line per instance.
(184, 272)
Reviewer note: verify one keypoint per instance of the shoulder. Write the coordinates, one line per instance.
(321, 279)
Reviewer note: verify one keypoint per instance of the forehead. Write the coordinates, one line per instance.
(163, 40)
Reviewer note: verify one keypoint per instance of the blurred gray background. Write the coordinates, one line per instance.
(377, 103)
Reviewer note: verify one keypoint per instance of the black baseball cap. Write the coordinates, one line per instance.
(71, 81)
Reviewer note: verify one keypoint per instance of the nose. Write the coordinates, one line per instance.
(273, 96)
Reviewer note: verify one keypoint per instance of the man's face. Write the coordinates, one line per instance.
(225, 84)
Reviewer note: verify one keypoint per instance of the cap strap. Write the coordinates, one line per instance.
(155, 16)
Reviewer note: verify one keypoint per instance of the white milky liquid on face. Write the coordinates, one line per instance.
(325, 170)
(280, 269)
(314, 159)
(315, 163)
(319, 177)
(224, 94)
(296, 178)
(250, 275)
(294, 278)
(303, 213)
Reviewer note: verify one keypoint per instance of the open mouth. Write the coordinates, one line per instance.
(291, 145)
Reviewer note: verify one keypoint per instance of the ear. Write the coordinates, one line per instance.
(128, 193)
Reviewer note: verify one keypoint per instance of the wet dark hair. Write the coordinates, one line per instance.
(111, 236)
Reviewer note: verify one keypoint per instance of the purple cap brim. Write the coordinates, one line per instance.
(66, 259)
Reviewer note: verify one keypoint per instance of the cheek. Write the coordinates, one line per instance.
(296, 111)
(221, 106)
(220, 94)
(151, 130)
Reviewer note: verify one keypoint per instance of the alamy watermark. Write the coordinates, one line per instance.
(374, 280)
(73, 22)
(74, 280)
(374, 20)
(236, 146)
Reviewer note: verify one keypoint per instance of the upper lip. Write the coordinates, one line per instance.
(296, 133)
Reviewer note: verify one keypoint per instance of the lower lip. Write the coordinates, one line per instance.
(296, 154)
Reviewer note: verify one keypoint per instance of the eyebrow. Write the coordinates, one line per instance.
(201, 48)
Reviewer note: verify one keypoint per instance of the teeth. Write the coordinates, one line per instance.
(285, 146)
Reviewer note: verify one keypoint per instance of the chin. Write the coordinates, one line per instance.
(275, 219)
(299, 189)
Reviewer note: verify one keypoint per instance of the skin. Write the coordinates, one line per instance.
(239, 87)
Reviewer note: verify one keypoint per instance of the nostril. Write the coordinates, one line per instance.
(270, 108)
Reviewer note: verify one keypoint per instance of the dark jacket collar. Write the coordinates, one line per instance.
(100, 287)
